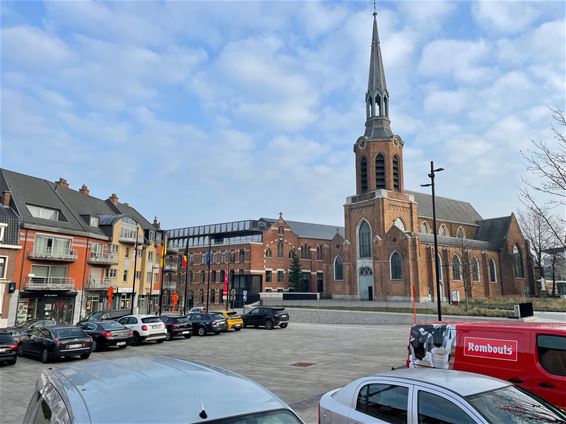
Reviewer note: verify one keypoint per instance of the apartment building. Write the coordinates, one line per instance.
(73, 247)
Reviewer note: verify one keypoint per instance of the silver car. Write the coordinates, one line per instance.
(152, 390)
(434, 396)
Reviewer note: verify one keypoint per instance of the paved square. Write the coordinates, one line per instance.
(338, 354)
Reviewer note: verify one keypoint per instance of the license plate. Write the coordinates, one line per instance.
(3, 350)
(74, 346)
(155, 326)
(186, 332)
(120, 343)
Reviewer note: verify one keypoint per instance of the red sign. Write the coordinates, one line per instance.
(505, 350)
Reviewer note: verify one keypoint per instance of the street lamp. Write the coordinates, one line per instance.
(431, 176)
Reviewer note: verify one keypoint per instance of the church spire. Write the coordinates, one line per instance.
(377, 96)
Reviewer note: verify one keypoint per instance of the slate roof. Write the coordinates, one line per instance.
(27, 189)
(308, 230)
(455, 241)
(446, 209)
(494, 230)
(12, 232)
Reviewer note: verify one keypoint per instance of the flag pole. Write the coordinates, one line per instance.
(208, 263)
(162, 263)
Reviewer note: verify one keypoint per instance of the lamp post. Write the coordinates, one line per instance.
(431, 176)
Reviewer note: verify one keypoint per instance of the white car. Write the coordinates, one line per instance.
(145, 328)
(434, 396)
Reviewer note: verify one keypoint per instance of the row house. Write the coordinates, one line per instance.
(72, 248)
(254, 254)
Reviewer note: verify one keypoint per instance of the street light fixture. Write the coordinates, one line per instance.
(437, 265)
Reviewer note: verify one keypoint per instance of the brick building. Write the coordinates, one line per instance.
(389, 241)
(256, 254)
(71, 248)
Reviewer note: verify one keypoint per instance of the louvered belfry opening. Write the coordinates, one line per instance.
(379, 171)
(364, 175)
(396, 177)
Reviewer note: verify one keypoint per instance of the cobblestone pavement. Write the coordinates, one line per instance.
(338, 354)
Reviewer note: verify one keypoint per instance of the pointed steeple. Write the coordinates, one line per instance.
(377, 96)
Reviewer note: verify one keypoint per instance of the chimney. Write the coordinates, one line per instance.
(6, 196)
(84, 190)
(62, 182)
(156, 223)
(113, 198)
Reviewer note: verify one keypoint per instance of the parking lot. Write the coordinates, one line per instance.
(298, 363)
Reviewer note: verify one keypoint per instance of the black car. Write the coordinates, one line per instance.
(177, 326)
(8, 348)
(56, 342)
(107, 333)
(114, 314)
(207, 323)
(16, 332)
(267, 317)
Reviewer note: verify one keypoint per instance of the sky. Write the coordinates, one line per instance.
(205, 112)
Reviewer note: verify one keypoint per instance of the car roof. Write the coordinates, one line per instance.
(460, 382)
(514, 325)
(177, 386)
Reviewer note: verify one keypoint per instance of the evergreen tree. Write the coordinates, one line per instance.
(295, 273)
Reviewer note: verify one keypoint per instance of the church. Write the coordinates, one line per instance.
(389, 245)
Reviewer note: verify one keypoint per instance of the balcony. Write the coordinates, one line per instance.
(102, 258)
(49, 283)
(170, 285)
(53, 254)
(101, 284)
(127, 238)
(170, 268)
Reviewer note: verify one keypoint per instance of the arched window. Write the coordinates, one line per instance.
(378, 105)
(396, 176)
(386, 106)
(443, 231)
(456, 267)
(371, 109)
(379, 171)
(396, 266)
(475, 269)
(291, 252)
(425, 228)
(492, 271)
(399, 224)
(280, 250)
(440, 273)
(280, 231)
(319, 252)
(364, 175)
(305, 251)
(268, 253)
(461, 233)
(338, 269)
(518, 262)
(364, 239)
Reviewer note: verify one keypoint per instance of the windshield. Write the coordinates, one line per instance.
(512, 406)
(216, 316)
(65, 333)
(151, 319)
(111, 325)
(6, 338)
(182, 320)
(271, 417)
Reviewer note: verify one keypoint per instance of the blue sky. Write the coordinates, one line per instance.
(202, 112)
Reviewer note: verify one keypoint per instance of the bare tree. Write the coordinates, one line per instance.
(537, 231)
(547, 161)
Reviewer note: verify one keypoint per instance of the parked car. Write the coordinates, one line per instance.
(57, 341)
(234, 321)
(434, 396)
(529, 354)
(207, 323)
(198, 309)
(145, 328)
(16, 332)
(105, 315)
(267, 317)
(157, 389)
(107, 333)
(38, 323)
(8, 348)
(177, 327)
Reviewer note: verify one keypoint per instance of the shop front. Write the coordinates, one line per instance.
(46, 305)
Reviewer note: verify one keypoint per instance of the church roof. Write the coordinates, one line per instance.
(494, 230)
(456, 241)
(446, 209)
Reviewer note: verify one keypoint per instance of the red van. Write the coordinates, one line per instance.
(531, 355)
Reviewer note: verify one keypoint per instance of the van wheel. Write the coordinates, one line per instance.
(45, 356)
(269, 325)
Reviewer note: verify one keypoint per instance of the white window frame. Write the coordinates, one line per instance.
(445, 230)
(3, 277)
(3, 226)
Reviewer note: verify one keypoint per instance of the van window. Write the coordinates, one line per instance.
(552, 353)
(434, 409)
(384, 401)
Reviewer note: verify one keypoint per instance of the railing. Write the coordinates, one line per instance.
(170, 285)
(169, 268)
(49, 283)
(125, 238)
(101, 284)
(53, 254)
(103, 258)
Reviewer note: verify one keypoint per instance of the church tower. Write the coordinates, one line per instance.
(380, 217)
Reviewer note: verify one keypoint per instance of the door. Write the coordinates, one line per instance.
(370, 293)
(381, 402)
(549, 375)
(365, 281)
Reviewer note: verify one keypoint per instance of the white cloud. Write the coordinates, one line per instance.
(446, 102)
(506, 16)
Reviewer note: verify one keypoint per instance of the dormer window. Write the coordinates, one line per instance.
(46, 213)
(93, 221)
